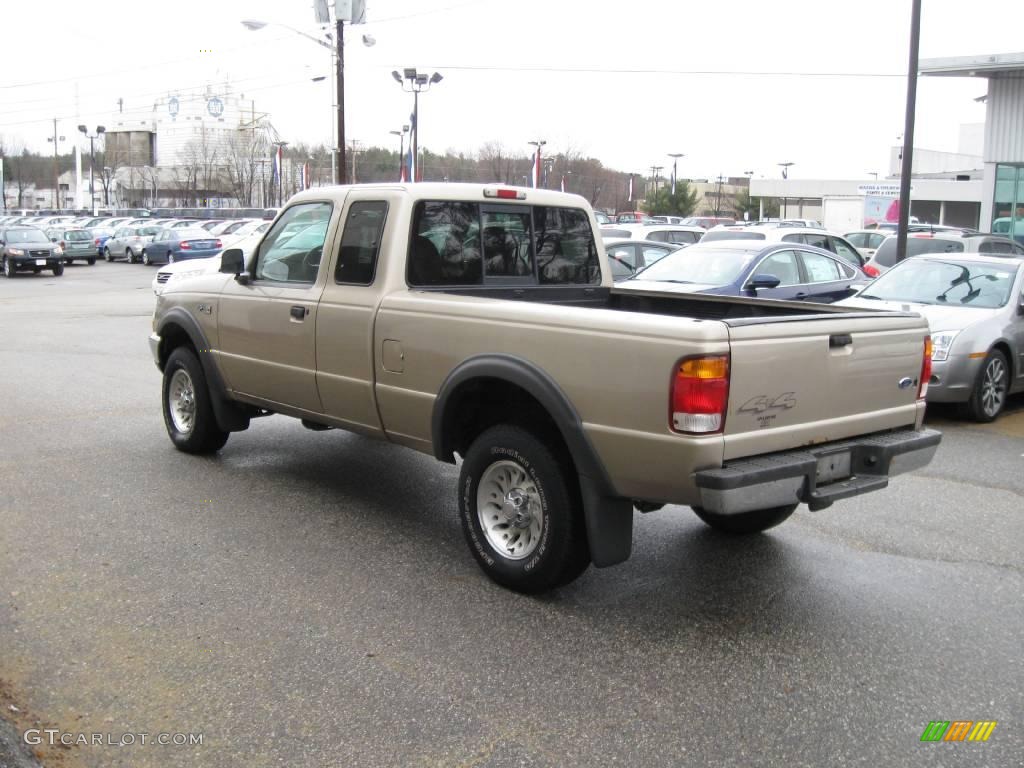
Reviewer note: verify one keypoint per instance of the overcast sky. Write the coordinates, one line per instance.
(626, 82)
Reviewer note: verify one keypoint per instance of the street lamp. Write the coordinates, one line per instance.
(785, 175)
(401, 150)
(675, 158)
(92, 162)
(338, 54)
(417, 82)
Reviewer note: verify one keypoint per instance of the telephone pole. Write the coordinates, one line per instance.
(56, 169)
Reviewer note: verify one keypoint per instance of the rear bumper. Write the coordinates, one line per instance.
(816, 476)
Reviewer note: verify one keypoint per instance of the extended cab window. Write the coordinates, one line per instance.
(292, 250)
(360, 242)
(445, 248)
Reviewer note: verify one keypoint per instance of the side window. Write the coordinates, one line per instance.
(445, 247)
(845, 252)
(652, 254)
(506, 243)
(292, 250)
(820, 269)
(683, 238)
(987, 246)
(783, 265)
(566, 251)
(818, 241)
(623, 253)
(793, 238)
(659, 237)
(996, 246)
(360, 242)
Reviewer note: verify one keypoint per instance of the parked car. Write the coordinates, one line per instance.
(974, 305)
(866, 241)
(663, 233)
(602, 217)
(633, 217)
(128, 243)
(630, 256)
(743, 268)
(29, 248)
(949, 241)
(778, 233)
(180, 270)
(171, 245)
(707, 222)
(76, 244)
(248, 228)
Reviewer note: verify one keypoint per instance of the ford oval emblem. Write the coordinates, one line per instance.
(906, 382)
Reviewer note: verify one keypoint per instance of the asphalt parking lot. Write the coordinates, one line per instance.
(307, 599)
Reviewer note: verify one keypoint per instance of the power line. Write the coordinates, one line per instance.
(610, 71)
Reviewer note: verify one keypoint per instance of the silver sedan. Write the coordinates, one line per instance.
(975, 307)
(128, 242)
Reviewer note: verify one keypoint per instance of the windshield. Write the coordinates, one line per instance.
(944, 282)
(693, 265)
(77, 234)
(730, 234)
(26, 236)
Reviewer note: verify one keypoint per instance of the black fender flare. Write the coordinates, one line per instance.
(608, 516)
(231, 417)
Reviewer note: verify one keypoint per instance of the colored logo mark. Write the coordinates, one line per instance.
(958, 730)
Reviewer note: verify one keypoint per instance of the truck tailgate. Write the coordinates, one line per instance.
(813, 379)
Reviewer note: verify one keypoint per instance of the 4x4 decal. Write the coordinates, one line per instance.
(762, 403)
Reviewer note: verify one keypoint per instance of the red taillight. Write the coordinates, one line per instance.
(217, 244)
(96, 242)
(700, 395)
(870, 271)
(185, 245)
(63, 244)
(926, 369)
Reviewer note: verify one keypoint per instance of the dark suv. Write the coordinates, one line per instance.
(28, 248)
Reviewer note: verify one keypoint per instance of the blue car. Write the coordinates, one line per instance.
(787, 271)
(171, 245)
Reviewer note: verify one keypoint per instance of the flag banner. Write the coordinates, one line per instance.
(305, 176)
(278, 160)
(673, 181)
(630, 188)
(562, 187)
(536, 168)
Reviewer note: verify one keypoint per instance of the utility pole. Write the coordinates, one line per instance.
(56, 169)
(340, 77)
(907, 167)
(718, 201)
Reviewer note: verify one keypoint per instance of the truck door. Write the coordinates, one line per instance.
(345, 318)
(267, 328)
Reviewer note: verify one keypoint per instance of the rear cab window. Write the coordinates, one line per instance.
(456, 243)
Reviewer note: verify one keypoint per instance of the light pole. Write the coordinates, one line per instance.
(675, 158)
(92, 162)
(56, 172)
(536, 172)
(338, 59)
(785, 175)
(417, 82)
(401, 150)
(280, 145)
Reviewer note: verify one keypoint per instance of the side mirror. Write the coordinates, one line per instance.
(232, 262)
(763, 281)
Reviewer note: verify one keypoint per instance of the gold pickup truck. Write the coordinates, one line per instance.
(480, 322)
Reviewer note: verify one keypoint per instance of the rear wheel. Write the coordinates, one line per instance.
(106, 254)
(9, 269)
(145, 258)
(187, 407)
(754, 521)
(129, 256)
(521, 511)
(170, 258)
(990, 390)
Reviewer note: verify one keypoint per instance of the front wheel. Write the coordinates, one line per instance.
(91, 261)
(521, 512)
(129, 256)
(755, 521)
(9, 269)
(990, 390)
(187, 407)
(106, 254)
(145, 258)
(58, 270)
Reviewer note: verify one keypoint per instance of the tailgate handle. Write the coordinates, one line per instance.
(840, 340)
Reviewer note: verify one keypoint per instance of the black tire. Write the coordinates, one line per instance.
(170, 258)
(9, 269)
(106, 254)
(67, 262)
(990, 389)
(145, 257)
(754, 521)
(201, 434)
(129, 256)
(557, 551)
(36, 270)
(58, 270)
(91, 262)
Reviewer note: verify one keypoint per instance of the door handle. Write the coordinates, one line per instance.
(799, 296)
(299, 313)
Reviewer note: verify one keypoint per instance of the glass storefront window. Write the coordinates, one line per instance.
(1008, 202)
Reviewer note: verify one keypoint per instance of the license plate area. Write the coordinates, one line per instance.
(40, 262)
(832, 467)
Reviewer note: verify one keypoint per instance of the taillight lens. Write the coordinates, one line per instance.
(926, 369)
(870, 271)
(217, 244)
(185, 245)
(700, 395)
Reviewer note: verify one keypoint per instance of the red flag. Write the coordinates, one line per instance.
(536, 168)
(630, 197)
